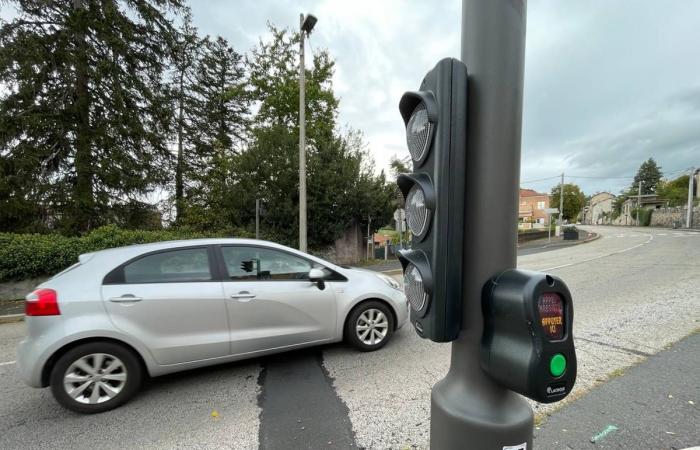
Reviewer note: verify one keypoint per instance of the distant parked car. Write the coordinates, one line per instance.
(98, 328)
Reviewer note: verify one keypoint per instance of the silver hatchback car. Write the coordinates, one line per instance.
(95, 330)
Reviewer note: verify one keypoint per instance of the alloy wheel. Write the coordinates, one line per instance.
(95, 378)
(372, 326)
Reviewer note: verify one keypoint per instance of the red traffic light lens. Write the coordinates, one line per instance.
(551, 308)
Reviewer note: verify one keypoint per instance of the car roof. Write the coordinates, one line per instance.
(131, 251)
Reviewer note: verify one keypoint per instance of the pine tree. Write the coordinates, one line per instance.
(84, 116)
(185, 107)
(649, 174)
(218, 128)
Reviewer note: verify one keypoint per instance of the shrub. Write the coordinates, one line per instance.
(32, 255)
(644, 216)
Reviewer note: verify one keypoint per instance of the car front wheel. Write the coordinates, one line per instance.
(95, 377)
(369, 326)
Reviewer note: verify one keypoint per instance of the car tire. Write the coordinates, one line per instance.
(369, 326)
(111, 369)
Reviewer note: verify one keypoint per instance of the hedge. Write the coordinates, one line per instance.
(33, 255)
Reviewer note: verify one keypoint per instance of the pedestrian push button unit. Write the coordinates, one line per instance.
(527, 345)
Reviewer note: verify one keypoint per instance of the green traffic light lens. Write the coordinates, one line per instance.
(557, 365)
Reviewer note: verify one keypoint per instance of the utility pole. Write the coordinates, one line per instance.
(257, 218)
(468, 408)
(302, 139)
(561, 203)
(689, 214)
(639, 200)
(370, 240)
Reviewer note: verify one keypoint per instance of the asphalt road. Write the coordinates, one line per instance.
(635, 292)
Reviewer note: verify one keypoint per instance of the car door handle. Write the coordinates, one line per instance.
(126, 298)
(243, 295)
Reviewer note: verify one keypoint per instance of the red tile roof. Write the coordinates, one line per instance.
(530, 193)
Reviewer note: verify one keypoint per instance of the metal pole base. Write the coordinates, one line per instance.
(463, 419)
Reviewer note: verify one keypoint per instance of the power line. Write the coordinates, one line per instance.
(540, 179)
(601, 178)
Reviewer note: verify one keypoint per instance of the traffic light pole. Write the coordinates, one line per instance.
(469, 409)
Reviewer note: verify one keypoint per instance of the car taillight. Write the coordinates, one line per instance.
(42, 302)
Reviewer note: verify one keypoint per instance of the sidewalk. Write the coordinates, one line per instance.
(526, 248)
(655, 405)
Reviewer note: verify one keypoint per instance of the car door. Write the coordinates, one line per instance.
(171, 302)
(271, 302)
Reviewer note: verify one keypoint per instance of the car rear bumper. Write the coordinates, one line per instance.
(29, 366)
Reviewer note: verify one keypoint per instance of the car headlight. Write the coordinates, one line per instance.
(390, 281)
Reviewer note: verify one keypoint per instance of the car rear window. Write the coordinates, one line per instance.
(190, 264)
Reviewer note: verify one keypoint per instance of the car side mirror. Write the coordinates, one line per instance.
(317, 276)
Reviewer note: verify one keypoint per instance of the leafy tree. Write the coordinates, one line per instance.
(83, 114)
(574, 200)
(399, 166)
(674, 191)
(649, 174)
(342, 188)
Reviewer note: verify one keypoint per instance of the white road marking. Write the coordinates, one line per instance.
(7, 363)
(661, 234)
(651, 238)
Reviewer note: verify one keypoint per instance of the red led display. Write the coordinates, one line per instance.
(551, 307)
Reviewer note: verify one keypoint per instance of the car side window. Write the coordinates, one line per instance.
(257, 263)
(191, 264)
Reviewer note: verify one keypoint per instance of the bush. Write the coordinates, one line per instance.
(32, 255)
(644, 216)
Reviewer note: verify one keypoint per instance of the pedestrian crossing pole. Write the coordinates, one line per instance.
(469, 410)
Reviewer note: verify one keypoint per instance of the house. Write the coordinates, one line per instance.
(531, 209)
(599, 209)
(381, 240)
(647, 201)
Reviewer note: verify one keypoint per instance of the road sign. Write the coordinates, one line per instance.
(551, 210)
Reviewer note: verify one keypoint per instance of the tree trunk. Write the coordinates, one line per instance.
(84, 202)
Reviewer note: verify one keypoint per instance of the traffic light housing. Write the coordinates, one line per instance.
(436, 134)
(527, 345)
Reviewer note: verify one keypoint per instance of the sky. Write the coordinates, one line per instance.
(608, 84)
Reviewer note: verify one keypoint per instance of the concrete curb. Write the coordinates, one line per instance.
(11, 318)
(596, 236)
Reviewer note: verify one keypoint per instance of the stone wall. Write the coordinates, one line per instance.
(14, 290)
(348, 249)
(666, 217)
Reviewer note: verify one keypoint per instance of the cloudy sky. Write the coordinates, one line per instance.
(608, 84)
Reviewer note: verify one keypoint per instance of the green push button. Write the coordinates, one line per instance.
(557, 365)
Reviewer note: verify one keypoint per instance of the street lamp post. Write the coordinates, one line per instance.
(306, 24)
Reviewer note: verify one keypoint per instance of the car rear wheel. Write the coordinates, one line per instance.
(95, 377)
(369, 326)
